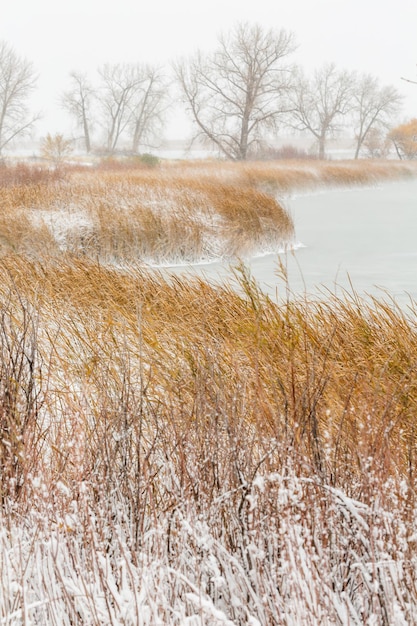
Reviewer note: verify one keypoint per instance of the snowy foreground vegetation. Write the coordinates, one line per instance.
(174, 452)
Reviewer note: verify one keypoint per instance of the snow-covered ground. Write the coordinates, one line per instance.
(301, 552)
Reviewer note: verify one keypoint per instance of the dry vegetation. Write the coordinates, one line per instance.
(176, 213)
(141, 216)
(174, 452)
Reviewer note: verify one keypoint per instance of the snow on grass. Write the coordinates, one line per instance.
(304, 564)
(64, 224)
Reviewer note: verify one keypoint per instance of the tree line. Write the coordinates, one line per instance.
(239, 96)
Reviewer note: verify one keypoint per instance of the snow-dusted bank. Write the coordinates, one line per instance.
(158, 217)
(177, 214)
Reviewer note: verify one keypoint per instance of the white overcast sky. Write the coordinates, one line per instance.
(377, 36)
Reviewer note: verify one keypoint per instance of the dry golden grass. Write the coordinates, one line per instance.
(141, 217)
(335, 380)
(178, 213)
(284, 176)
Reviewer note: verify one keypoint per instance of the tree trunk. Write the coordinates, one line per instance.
(86, 135)
(243, 144)
(322, 147)
(398, 151)
(137, 135)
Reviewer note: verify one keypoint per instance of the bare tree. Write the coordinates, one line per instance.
(320, 103)
(148, 106)
(17, 81)
(78, 102)
(133, 99)
(236, 93)
(373, 107)
(120, 82)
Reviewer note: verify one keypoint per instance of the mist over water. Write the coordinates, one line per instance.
(360, 237)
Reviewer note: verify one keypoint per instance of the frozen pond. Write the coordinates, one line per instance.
(366, 236)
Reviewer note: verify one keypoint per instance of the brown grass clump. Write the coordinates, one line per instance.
(21, 174)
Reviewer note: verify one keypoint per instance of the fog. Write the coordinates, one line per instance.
(360, 35)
